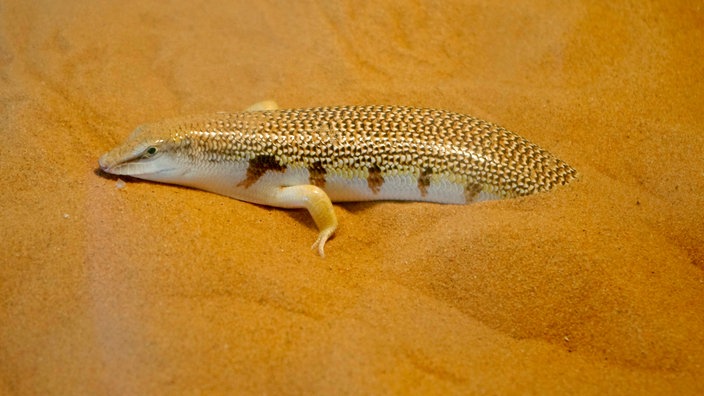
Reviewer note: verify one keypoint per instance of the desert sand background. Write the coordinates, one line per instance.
(595, 288)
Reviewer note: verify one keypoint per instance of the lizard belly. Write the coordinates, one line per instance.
(399, 187)
(231, 181)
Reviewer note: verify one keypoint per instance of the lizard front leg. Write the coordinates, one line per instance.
(318, 204)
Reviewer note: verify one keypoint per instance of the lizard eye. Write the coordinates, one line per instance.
(149, 152)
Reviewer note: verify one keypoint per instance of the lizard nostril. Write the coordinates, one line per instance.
(103, 162)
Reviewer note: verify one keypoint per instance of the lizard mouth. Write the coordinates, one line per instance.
(131, 168)
(116, 168)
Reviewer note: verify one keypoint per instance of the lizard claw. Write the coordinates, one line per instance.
(322, 238)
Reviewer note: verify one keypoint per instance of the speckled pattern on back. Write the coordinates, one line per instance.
(373, 142)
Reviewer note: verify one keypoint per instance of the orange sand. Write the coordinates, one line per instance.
(154, 289)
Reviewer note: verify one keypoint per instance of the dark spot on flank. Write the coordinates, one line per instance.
(317, 174)
(471, 191)
(375, 180)
(258, 166)
(424, 181)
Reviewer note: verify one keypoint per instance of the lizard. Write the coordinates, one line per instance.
(311, 157)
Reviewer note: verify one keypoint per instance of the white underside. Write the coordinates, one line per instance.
(339, 188)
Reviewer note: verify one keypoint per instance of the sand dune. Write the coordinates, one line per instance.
(597, 287)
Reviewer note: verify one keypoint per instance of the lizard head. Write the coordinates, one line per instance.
(146, 154)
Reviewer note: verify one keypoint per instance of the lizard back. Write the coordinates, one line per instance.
(414, 149)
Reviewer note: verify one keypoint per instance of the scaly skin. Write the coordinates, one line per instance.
(306, 158)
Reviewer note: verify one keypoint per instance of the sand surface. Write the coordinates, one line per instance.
(595, 288)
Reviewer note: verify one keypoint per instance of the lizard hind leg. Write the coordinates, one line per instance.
(319, 206)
